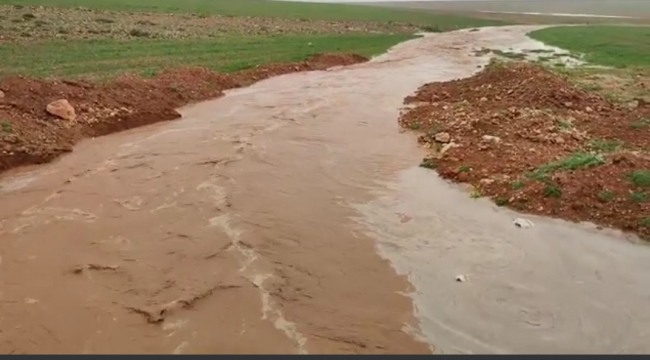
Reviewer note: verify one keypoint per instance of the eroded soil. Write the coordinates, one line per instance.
(22, 23)
(252, 225)
(531, 140)
(30, 135)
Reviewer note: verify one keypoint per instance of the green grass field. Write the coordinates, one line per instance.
(616, 46)
(101, 59)
(262, 8)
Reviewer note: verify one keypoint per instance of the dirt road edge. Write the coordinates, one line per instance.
(31, 133)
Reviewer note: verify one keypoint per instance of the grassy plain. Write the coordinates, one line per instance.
(103, 38)
(105, 58)
(279, 9)
(608, 45)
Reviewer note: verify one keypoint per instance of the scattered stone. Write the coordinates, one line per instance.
(81, 268)
(442, 137)
(10, 139)
(461, 278)
(484, 99)
(495, 139)
(61, 108)
(487, 181)
(447, 147)
(523, 223)
(589, 109)
(2, 94)
(568, 104)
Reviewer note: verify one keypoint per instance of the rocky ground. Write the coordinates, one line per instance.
(531, 140)
(41, 119)
(22, 23)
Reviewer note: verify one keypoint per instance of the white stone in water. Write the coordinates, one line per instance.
(523, 223)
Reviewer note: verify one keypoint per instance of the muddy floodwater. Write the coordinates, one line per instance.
(291, 217)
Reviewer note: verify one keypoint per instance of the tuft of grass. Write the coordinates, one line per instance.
(432, 28)
(6, 126)
(501, 201)
(414, 125)
(139, 33)
(571, 163)
(465, 169)
(565, 124)
(640, 178)
(429, 164)
(645, 222)
(28, 16)
(606, 196)
(552, 191)
(149, 73)
(640, 124)
(609, 45)
(476, 194)
(605, 146)
(516, 185)
(638, 197)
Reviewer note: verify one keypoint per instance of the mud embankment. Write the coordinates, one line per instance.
(532, 141)
(31, 135)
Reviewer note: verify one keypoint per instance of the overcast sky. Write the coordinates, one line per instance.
(371, 1)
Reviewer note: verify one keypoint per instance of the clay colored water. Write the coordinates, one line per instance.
(252, 224)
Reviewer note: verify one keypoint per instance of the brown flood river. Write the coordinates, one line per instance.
(291, 217)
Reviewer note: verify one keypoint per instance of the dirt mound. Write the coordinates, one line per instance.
(30, 135)
(509, 85)
(529, 139)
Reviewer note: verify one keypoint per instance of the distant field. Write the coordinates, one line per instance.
(617, 46)
(634, 8)
(261, 8)
(101, 59)
(109, 37)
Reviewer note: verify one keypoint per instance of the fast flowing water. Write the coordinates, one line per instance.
(275, 219)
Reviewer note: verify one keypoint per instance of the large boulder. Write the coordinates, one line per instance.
(62, 109)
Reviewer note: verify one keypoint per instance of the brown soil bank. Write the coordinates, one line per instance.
(530, 140)
(31, 135)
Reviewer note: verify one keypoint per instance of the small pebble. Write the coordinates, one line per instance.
(461, 278)
(523, 223)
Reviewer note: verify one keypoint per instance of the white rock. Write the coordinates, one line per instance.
(461, 278)
(523, 223)
(496, 139)
(447, 147)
